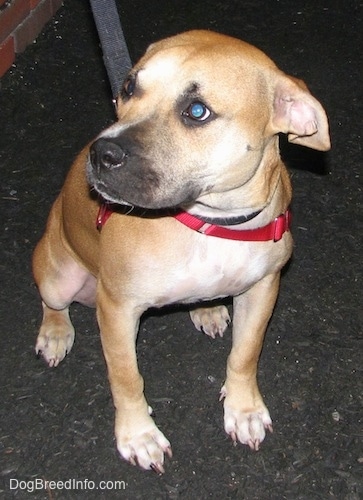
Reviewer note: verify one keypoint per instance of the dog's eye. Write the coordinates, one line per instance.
(129, 87)
(197, 111)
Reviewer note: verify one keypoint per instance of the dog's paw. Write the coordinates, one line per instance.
(55, 340)
(246, 426)
(212, 321)
(147, 449)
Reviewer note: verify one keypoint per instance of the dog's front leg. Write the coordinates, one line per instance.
(138, 439)
(245, 414)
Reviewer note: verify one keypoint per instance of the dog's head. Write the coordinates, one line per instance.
(198, 116)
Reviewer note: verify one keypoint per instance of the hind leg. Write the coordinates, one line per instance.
(212, 321)
(61, 281)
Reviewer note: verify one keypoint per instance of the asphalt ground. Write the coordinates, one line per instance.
(57, 424)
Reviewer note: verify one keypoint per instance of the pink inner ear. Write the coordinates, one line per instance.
(295, 116)
(302, 118)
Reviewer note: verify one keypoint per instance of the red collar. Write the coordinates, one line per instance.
(104, 213)
(273, 231)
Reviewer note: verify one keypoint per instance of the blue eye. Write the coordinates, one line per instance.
(197, 111)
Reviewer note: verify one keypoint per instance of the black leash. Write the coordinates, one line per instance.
(115, 53)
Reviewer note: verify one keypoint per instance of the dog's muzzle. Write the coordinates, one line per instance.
(107, 155)
(120, 171)
(120, 174)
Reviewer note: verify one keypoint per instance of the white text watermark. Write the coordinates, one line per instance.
(39, 483)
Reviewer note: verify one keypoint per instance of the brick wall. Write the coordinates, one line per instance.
(21, 21)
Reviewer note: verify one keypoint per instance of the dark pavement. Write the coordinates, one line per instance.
(57, 424)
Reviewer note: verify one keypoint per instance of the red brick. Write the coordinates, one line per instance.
(24, 20)
(33, 3)
(33, 25)
(12, 16)
(7, 55)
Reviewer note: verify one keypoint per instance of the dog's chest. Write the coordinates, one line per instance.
(218, 268)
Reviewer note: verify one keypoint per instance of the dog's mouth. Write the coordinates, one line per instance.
(140, 187)
(106, 194)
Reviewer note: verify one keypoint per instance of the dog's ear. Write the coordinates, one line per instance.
(299, 115)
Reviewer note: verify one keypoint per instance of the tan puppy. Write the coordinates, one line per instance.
(197, 127)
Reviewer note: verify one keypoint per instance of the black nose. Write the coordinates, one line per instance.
(105, 153)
